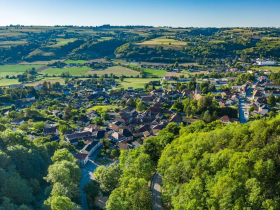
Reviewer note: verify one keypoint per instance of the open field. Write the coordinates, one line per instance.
(73, 70)
(40, 62)
(5, 73)
(175, 74)
(18, 68)
(6, 82)
(116, 70)
(159, 73)
(61, 42)
(168, 64)
(75, 61)
(272, 68)
(167, 43)
(103, 107)
(12, 43)
(136, 82)
(49, 79)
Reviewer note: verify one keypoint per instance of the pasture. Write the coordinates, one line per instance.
(72, 71)
(6, 82)
(60, 42)
(18, 68)
(116, 70)
(103, 107)
(162, 41)
(271, 68)
(155, 72)
(74, 61)
(136, 82)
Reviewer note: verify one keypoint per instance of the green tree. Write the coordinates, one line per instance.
(271, 100)
(140, 106)
(63, 128)
(92, 189)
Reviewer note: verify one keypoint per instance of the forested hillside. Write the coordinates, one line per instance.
(230, 167)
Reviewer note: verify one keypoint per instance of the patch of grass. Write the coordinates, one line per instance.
(272, 68)
(61, 42)
(103, 107)
(18, 68)
(75, 61)
(12, 43)
(73, 70)
(136, 82)
(5, 73)
(6, 82)
(169, 43)
(116, 70)
(154, 72)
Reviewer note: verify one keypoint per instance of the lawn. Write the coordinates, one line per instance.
(116, 70)
(73, 70)
(272, 68)
(75, 61)
(18, 68)
(154, 72)
(136, 82)
(104, 108)
(6, 82)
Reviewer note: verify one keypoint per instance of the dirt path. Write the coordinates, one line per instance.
(156, 192)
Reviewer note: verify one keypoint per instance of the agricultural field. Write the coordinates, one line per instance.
(136, 82)
(49, 79)
(12, 43)
(41, 62)
(73, 70)
(6, 82)
(162, 41)
(154, 72)
(61, 42)
(116, 70)
(75, 61)
(175, 74)
(272, 68)
(103, 107)
(18, 68)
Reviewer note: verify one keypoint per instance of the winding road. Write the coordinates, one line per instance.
(156, 192)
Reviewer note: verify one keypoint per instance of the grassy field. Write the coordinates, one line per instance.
(18, 68)
(105, 107)
(73, 70)
(5, 73)
(61, 42)
(272, 68)
(169, 43)
(6, 82)
(49, 79)
(75, 61)
(159, 73)
(12, 43)
(40, 62)
(116, 70)
(136, 82)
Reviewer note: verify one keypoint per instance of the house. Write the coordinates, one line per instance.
(84, 121)
(57, 112)
(141, 130)
(90, 148)
(270, 85)
(30, 97)
(66, 91)
(115, 125)
(147, 100)
(38, 87)
(186, 93)
(226, 119)
(257, 94)
(263, 110)
(79, 135)
(124, 146)
(176, 118)
(16, 122)
(197, 97)
(265, 62)
(17, 86)
(116, 137)
(126, 134)
(91, 128)
(101, 134)
(82, 158)
(50, 131)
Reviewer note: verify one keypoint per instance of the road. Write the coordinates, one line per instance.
(242, 110)
(156, 192)
(87, 175)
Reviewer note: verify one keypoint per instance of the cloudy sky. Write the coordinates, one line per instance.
(184, 13)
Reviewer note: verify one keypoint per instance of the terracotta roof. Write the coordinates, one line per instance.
(80, 156)
(226, 118)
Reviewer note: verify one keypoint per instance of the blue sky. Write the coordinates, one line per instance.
(184, 13)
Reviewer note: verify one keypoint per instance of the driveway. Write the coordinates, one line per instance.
(156, 192)
(87, 175)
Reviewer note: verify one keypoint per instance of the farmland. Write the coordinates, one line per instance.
(135, 82)
(272, 68)
(61, 42)
(18, 68)
(162, 41)
(75, 61)
(6, 82)
(72, 70)
(154, 72)
(116, 70)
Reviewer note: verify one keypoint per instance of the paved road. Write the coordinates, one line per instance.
(87, 175)
(156, 192)
(242, 110)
